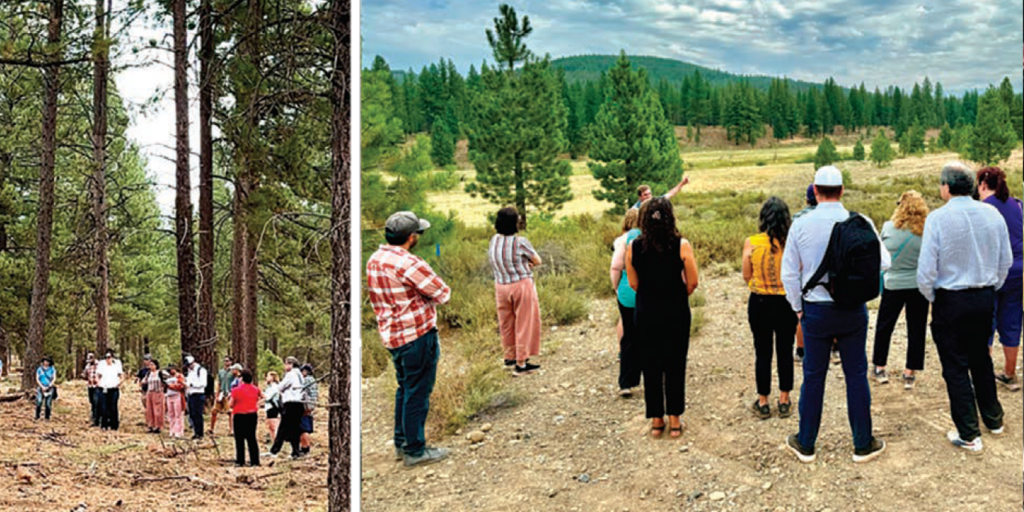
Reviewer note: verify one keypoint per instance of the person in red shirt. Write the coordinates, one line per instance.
(245, 401)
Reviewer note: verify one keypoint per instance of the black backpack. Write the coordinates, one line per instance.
(209, 384)
(853, 263)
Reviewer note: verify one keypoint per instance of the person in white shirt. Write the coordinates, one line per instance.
(824, 321)
(195, 394)
(965, 257)
(110, 375)
(293, 409)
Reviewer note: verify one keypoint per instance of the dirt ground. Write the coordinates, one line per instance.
(573, 445)
(66, 465)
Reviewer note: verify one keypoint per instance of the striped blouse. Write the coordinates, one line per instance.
(510, 258)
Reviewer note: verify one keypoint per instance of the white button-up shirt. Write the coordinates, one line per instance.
(805, 249)
(109, 374)
(291, 387)
(195, 381)
(965, 245)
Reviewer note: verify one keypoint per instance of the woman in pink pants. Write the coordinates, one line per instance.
(155, 398)
(175, 383)
(513, 259)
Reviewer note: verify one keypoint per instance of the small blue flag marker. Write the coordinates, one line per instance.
(438, 250)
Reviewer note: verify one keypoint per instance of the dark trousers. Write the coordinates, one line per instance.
(893, 302)
(823, 323)
(196, 404)
(665, 347)
(629, 351)
(245, 432)
(95, 405)
(773, 324)
(111, 417)
(961, 326)
(289, 430)
(416, 372)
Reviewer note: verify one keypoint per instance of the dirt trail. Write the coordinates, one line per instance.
(574, 446)
(71, 464)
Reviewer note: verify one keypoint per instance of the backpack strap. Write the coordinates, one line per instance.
(826, 262)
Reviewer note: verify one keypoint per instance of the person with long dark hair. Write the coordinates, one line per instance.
(512, 260)
(772, 320)
(244, 400)
(993, 190)
(902, 238)
(662, 269)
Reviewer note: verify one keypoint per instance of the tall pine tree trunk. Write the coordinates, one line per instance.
(249, 352)
(5, 351)
(250, 53)
(101, 66)
(44, 219)
(339, 426)
(183, 199)
(239, 262)
(520, 193)
(207, 335)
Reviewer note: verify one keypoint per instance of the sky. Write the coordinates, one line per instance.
(963, 44)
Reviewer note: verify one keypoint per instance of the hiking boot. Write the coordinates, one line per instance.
(526, 369)
(975, 446)
(785, 410)
(909, 381)
(806, 456)
(399, 454)
(762, 412)
(1011, 384)
(881, 376)
(429, 456)
(870, 453)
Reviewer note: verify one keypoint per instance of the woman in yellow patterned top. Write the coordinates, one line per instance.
(772, 320)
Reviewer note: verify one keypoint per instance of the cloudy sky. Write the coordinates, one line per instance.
(963, 44)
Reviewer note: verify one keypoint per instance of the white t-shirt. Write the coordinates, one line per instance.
(109, 373)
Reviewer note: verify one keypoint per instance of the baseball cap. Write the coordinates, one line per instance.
(405, 224)
(307, 368)
(189, 359)
(812, 198)
(828, 176)
(236, 366)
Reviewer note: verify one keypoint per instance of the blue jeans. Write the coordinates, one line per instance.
(823, 323)
(416, 371)
(95, 405)
(1009, 317)
(44, 403)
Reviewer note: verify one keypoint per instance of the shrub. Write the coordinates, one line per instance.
(881, 150)
(266, 362)
(858, 151)
(826, 155)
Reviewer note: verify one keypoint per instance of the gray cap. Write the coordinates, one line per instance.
(405, 224)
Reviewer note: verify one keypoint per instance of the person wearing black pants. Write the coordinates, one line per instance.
(111, 417)
(773, 325)
(629, 358)
(245, 432)
(196, 404)
(290, 429)
(961, 326)
(893, 302)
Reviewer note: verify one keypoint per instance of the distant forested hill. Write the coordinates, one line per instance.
(587, 68)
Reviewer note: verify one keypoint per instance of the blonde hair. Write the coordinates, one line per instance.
(911, 212)
(632, 219)
(273, 375)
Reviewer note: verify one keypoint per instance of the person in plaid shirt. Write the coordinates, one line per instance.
(404, 292)
(92, 380)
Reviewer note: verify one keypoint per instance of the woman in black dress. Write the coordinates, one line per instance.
(661, 268)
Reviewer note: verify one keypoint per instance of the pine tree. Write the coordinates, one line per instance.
(882, 153)
(858, 151)
(518, 126)
(442, 144)
(993, 139)
(945, 140)
(632, 141)
(826, 155)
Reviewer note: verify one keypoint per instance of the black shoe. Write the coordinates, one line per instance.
(870, 453)
(806, 456)
(526, 369)
(785, 410)
(762, 412)
(510, 363)
(305, 451)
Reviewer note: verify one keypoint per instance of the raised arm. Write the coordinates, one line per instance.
(689, 267)
(676, 189)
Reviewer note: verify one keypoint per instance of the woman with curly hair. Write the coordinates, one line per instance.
(772, 320)
(902, 238)
(993, 190)
(662, 270)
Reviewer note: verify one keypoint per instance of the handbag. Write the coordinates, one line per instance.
(881, 279)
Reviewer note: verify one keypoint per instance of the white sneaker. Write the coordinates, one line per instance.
(999, 431)
(268, 455)
(975, 446)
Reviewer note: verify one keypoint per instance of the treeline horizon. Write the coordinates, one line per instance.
(787, 106)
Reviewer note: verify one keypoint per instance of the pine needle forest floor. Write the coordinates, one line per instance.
(64, 464)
